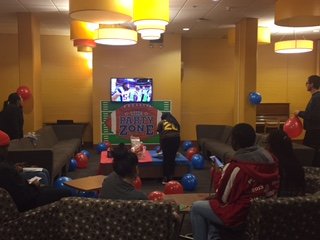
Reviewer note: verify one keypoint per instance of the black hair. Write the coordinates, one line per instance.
(315, 80)
(243, 135)
(14, 98)
(170, 118)
(124, 161)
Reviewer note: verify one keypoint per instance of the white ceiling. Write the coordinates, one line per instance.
(205, 18)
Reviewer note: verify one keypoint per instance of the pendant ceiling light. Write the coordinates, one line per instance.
(151, 17)
(297, 13)
(101, 11)
(263, 36)
(82, 34)
(116, 36)
(293, 46)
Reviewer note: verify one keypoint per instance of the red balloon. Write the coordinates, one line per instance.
(156, 196)
(293, 127)
(137, 183)
(24, 92)
(191, 151)
(82, 160)
(173, 187)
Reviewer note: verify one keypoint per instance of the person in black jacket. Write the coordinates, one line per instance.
(12, 117)
(292, 181)
(169, 131)
(25, 195)
(311, 117)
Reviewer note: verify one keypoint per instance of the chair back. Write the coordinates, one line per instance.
(8, 209)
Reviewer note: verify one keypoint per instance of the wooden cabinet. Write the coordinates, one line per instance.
(271, 115)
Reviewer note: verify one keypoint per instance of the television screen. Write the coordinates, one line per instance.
(131, 89)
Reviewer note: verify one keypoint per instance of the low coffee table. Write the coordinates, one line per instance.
(184, 202)
(91, 183)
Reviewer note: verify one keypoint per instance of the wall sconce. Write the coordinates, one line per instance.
(263, 36)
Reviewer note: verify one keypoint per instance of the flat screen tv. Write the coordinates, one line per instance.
(131, 90)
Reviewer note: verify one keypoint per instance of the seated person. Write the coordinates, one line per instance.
(120, 183)
(292, 182)
(251, 173)
(25, 195)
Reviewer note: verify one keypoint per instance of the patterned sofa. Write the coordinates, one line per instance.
(284, 218)
(86, 218)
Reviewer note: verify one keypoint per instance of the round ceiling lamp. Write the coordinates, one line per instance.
(151, 16)
(84, 45)
(150, 32)
(297, 13)
(82, 30)
(116, 36)
(82, 34)
(293, 46)
(101, 11)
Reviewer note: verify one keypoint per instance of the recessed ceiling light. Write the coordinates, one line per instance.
(186, 29)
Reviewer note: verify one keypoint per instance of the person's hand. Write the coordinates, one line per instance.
(19, 167)
(35, 183)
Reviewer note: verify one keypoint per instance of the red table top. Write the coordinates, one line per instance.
(104, 159)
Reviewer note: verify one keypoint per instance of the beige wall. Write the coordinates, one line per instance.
(66, 82)
(163, 64)
(9, 67)
(207, 84)
(203, 94)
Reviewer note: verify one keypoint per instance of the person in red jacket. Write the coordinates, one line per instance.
(251, 173)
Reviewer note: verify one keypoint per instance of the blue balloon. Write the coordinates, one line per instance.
(255, 98)
(186, 145)
(189, 182)
(197, 161)
(86, 152)
(101, 147)
(157, 149)
(59, 184)
(88, 194)
(73, 165)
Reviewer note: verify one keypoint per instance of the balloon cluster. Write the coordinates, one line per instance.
(80, 160)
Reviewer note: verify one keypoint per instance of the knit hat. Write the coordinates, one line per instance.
(4, 139)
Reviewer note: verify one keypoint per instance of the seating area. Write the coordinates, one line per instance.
(216, 140)
(51, 147)
(87, 218)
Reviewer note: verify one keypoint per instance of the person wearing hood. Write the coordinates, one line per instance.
(251, 173)
(12, 117)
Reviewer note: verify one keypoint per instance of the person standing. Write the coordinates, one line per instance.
(12, 117)
(311, 117)
(169, 131)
